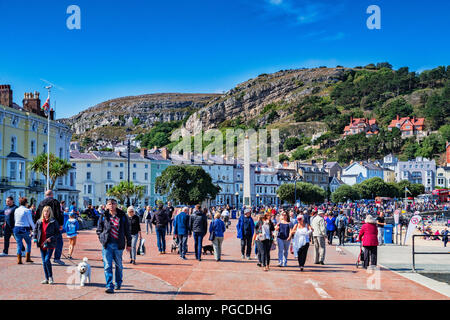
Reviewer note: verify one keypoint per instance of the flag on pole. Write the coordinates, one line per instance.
(46, 105)
(407, 190)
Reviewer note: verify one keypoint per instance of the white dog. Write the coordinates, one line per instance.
(84, 270)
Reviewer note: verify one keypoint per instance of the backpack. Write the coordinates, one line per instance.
(340, 222)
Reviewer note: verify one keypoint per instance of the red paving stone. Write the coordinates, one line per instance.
(168, 277)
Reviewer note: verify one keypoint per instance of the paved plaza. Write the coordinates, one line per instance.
(167, 277)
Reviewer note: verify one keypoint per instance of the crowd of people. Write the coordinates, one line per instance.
(287, 230)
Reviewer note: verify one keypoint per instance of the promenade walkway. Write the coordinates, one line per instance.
(168, 277)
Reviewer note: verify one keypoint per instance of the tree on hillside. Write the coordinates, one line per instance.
(291, 143)
(58, 167)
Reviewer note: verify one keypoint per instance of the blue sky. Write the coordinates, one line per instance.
(203, 46)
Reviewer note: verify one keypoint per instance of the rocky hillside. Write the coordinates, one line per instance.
(141, 112)
(249, 101)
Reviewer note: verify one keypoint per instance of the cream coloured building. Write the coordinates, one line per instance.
(98, 171)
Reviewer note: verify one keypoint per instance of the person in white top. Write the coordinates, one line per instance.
(23, 226)
(301, 234)
(226, 217)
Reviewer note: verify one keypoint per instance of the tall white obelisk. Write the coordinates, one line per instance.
(247, 187)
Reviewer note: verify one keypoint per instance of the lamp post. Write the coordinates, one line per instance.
(237, 199)
(128, 160)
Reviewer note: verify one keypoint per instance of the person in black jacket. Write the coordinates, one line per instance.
(8, 225)
(45, 235)
(113, 231)
(170, 209)
(135, 230)
(58, 215)
(199, 226)
(161, 219)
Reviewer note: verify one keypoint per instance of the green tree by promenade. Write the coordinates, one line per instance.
(376, 187)
(344, 193)
(306, 193)
(186, 184)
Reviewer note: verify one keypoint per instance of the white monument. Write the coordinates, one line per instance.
(247, 188)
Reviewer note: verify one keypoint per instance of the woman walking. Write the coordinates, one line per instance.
(331, 227)
(45, 234)
(71, 227)
(301, 236)
(135, 230)
(369, 237)
(148, 219)
(264, 235)
(283, 240)
(217, 226)
(22, 227)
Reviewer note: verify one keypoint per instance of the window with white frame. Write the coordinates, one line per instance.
(44, 147)
(16, 170)
(109, 175)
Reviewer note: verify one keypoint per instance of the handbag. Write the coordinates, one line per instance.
(274, 246)
(141, 248)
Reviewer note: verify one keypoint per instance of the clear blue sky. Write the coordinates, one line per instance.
(136, 47)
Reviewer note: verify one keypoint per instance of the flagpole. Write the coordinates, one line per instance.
(48, 140)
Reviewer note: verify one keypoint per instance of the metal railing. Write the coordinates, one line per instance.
(414, 251)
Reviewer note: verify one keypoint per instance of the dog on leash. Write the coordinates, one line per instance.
(174, 246)
(208, 248)
(84, 270)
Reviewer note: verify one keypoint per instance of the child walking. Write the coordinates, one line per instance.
(72, 226)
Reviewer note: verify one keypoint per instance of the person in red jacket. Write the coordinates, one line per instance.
(369, 237)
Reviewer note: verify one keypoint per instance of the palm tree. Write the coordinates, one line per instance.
(125, 190)
(58, 167)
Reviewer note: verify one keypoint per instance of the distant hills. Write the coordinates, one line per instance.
(303, 104)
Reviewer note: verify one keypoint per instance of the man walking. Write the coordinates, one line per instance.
(8, 225)
(380, 225)
(182, 231)
(319, 234)
(170, 209)
(161, 219)
(58, 215)
(245, 229)
(341, 225)
(113, 232)
(199, 225)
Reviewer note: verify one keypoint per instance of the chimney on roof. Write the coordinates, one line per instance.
(6, 95)
(32, 103)
(144, 152)
(165, 153)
